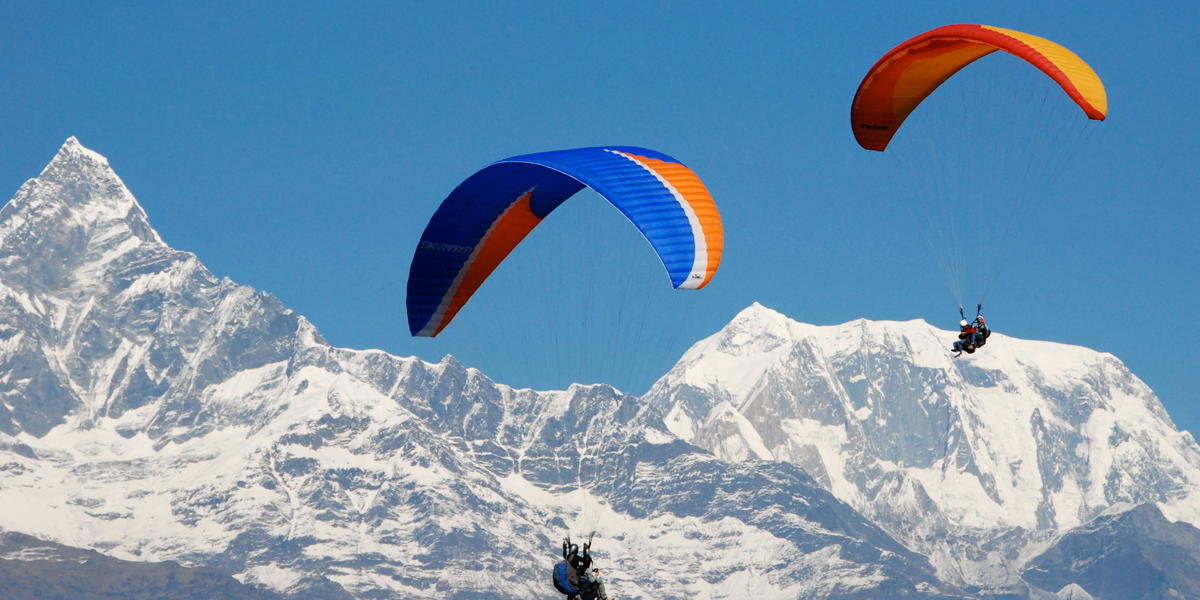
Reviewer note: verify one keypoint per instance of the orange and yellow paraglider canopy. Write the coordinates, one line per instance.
(904, 77)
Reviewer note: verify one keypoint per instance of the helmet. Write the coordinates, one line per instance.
(979, 318)
(962, 323)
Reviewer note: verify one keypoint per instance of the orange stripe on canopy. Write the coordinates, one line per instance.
(904, 77)
(509, 229)
(702, 206)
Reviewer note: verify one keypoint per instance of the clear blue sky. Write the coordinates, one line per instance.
(300, 148)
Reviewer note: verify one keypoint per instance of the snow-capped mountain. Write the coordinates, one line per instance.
(978, 462)
(153, 412)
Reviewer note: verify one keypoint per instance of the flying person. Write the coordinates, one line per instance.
(571, 576)
(981, 332)
(598, 584)
(571, 553)
(966, 339)
(973, 335)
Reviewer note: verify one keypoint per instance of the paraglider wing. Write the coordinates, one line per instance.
(904, 77)
(487, 215)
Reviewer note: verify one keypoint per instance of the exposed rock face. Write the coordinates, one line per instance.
(155, 413)
(976, 462)
(1132, 553)
(31, 568)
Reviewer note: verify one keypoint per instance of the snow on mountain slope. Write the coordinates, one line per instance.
(153, 412)
(1016, 442)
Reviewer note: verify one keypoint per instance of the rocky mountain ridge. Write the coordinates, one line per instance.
(154, 412)
(31, 569)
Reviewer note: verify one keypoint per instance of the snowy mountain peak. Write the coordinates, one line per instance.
(156, 412)
(73, 150)
(104, 319)
(85, 181)
(757, 323)
(152, 410)
(759, 329)
(729, 364)
(1022, 434)
(70, 223)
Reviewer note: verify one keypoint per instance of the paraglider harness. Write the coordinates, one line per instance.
(570, 575)
(974, 335)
